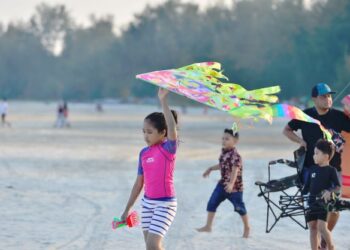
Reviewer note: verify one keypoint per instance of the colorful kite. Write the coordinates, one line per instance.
(202, 82)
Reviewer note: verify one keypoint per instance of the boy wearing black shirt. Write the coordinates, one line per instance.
(321, 181)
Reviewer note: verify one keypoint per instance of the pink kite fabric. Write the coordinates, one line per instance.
(203, 82)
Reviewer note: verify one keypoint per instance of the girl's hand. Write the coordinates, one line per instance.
(207, 173)
(162, 93)
(124, 215)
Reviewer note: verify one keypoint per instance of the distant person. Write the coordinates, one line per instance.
(4, 111)
(230, 186)
(156, 175)
(60, 120)
(99, 107)
(62, 115)
(331, 119)
(65, 114)
(321, 182)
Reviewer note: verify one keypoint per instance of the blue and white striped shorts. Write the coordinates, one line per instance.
(157, 216)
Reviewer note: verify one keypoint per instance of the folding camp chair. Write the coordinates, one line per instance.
(288, 205)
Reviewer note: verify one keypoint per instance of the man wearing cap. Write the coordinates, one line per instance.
(330, 118)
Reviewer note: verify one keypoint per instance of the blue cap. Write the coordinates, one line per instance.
(321, 89)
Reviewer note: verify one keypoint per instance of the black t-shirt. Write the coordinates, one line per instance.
(311, 132)
(319, 179)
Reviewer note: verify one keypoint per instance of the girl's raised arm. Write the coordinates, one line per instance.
(169, 118)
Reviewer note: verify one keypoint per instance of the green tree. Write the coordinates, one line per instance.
(50, 24)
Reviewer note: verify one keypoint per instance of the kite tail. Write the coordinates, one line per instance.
(263, 94)
(292, 112)
(252, 112)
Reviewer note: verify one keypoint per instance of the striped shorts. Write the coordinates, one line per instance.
(157, 216)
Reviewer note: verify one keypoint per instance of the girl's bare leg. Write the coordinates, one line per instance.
(154, 242)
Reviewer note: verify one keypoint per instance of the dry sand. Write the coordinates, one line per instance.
(60, 188)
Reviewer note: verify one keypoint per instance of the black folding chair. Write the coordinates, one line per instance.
(288, 205)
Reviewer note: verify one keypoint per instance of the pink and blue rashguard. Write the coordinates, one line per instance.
(157, 164)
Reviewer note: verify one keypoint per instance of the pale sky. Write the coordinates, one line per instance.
(122, 10)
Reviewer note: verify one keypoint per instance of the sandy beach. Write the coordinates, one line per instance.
(61, 188)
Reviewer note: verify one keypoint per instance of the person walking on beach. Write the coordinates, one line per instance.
(3, 112)
(330, 118)
(156, 175)
(65, 114)
(62, 115)
(230, 186)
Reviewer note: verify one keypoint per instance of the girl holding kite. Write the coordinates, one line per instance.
(156, 174)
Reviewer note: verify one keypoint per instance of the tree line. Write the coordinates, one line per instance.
(258, 42)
